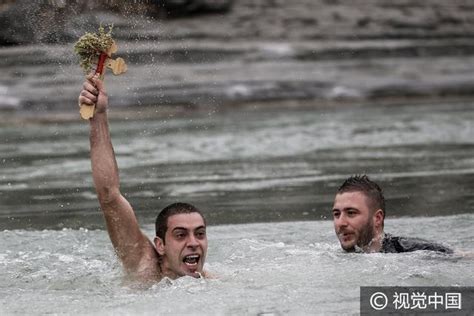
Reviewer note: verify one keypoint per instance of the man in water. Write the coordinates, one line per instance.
(180, 245)
(359, 213)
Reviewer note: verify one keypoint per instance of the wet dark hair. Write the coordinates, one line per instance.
(362, 183)
(161, 223)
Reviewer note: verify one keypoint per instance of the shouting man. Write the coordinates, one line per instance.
(180, 245)
(359, 213)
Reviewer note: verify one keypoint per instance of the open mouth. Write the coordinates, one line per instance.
(191, 260)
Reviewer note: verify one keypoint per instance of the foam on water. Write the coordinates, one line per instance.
(256, 164)
(7, 101)
(279, 268)
(244, 135)
(278, 135)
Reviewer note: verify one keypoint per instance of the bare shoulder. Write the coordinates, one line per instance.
(147, 266)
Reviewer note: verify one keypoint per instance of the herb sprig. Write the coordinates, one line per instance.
(91, 45)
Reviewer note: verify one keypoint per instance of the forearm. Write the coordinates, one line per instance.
(104, 165)
(131, 245)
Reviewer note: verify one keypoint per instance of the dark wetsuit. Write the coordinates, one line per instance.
(393, 244)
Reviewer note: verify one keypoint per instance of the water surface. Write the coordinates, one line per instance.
(278, 166)
(282, 268)
(244, 165)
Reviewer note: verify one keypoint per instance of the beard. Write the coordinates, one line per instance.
(364, 238)
(366, 235)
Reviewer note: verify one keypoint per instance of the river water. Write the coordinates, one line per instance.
(265, 178)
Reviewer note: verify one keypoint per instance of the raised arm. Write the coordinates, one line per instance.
(135, 250)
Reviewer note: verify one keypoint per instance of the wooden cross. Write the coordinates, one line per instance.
(117, 66)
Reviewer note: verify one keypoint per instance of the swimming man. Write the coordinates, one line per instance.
(359, 213)
(180, 245)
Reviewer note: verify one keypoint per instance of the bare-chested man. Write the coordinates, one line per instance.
(180, 245)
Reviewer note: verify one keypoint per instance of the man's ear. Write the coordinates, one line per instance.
(159, 245)
(378, 218)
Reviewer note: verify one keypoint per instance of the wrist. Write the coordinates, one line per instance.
(99, 115)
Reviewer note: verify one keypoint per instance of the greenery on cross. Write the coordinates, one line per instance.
(91, 45)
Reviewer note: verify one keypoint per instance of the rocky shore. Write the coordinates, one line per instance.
(309, 52)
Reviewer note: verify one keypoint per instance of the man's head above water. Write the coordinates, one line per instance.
(181, 240)
(359, 213)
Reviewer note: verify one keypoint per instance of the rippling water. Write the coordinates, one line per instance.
(278, 268)
(244, 165)
(277, 166)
